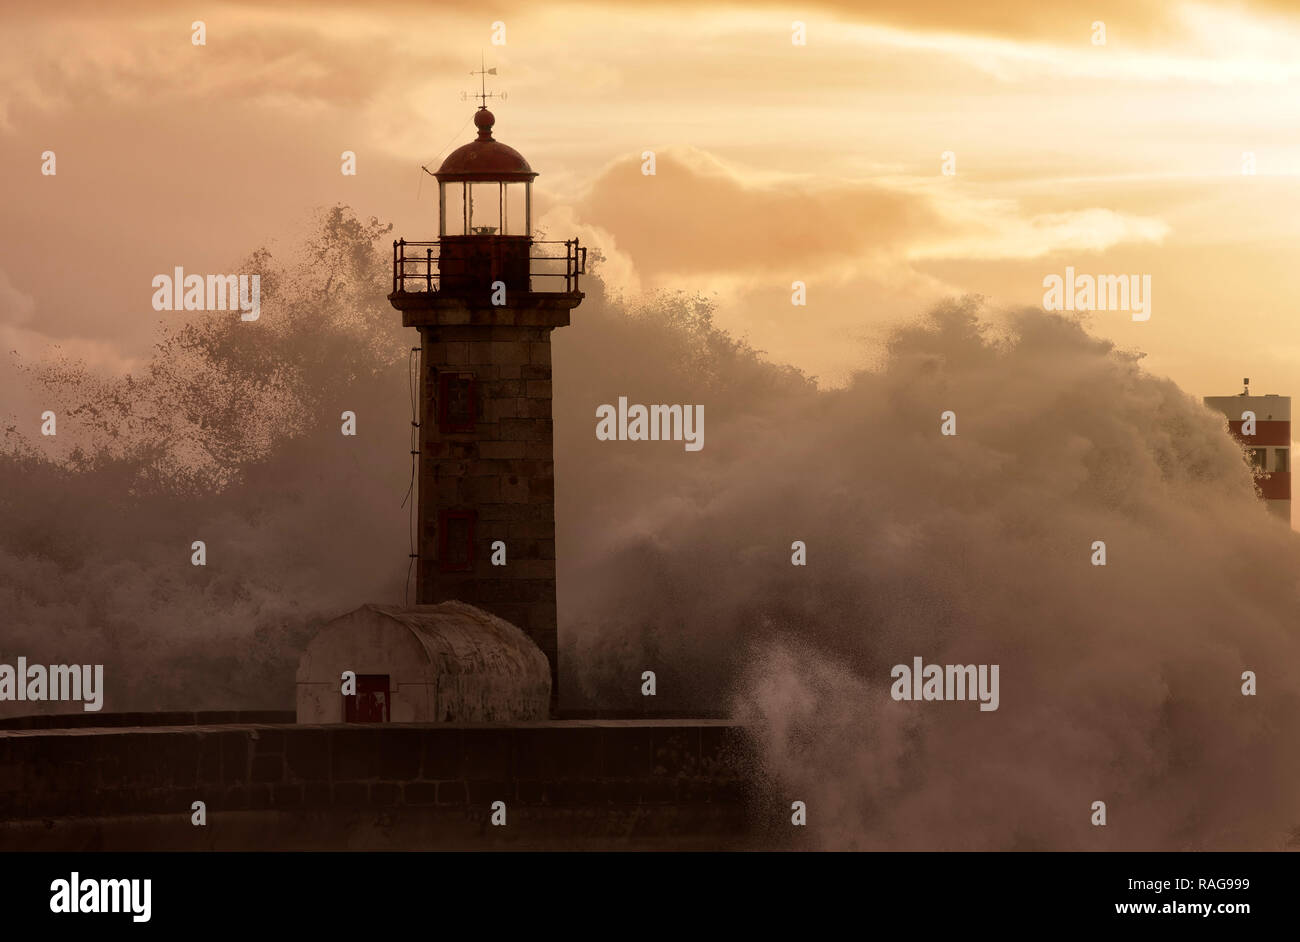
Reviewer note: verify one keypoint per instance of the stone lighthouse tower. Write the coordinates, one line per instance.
(485, 297)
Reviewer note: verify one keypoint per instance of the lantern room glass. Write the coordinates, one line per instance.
(485, 207)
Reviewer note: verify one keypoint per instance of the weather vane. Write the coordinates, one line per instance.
(483, 95)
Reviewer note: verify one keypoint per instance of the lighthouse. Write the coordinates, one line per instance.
(480, 643)
(485, 296)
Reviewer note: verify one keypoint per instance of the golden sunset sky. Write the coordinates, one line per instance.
(776, 162)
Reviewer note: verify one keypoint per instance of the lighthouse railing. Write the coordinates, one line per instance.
(553, 266)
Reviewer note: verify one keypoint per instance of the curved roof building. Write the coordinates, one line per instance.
(449, 662)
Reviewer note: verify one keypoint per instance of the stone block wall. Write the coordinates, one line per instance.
(579, 777)
(502, 470)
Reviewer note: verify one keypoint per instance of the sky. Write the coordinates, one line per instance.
(776, 161)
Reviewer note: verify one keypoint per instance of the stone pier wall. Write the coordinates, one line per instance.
(580, 784)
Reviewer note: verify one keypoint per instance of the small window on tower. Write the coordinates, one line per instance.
(1283, 462)
(1258, 457)
(457, 406)
(456, 541)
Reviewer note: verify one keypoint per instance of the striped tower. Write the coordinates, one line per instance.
(1269, 447)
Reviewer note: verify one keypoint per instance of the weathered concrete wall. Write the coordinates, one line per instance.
(568, 783)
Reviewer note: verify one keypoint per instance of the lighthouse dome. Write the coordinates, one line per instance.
(485, 159)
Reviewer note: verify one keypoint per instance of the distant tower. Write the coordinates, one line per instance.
(485, 297)
(1269, 447)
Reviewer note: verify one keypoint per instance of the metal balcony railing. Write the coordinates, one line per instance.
(466, 264)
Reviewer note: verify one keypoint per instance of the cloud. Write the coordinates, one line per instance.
(698, 216)
(996, 230)
(260, 60)
(1064, 20)
(695, 216)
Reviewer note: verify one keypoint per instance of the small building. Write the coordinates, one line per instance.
(1262, 424)
(449, 662)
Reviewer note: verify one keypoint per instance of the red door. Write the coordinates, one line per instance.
(370, 705)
